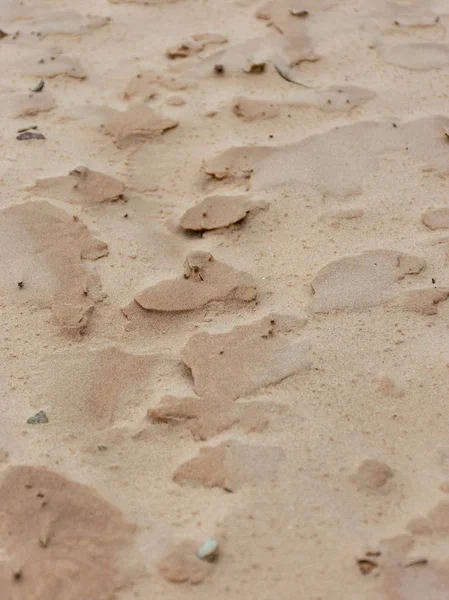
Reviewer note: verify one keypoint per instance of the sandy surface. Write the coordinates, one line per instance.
(224, 274)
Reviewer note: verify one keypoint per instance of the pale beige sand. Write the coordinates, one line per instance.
(224, 278)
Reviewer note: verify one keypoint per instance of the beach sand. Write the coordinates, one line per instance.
(224, 242)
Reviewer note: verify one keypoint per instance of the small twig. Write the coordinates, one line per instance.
(287, 78)
(299, 12)
(417, 561)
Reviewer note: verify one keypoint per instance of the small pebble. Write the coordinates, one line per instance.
(30, 135)
(256, 68)
(38, 418)
(299, 12)
(208, 551)
(366, 566)
(39, 87)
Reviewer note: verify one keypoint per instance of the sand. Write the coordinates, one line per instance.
(225, 271)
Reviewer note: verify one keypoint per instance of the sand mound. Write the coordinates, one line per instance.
(408, 14)
(93, 389)
(428, 581)
(407, 573)
(65, 22)
(230, 466)
(175, 100)
(60, 538)
(372, 475)
(41, 250)
(207, 417)
(294, 30)
(28, 105)
(337, 219)
(410, 567)
(216, 211)
(332, 99)
(425, 301)
(147, 84)
(236, 163)
(248, 358)
(254, 57)
(322, 160)
(357, 282)
(416, 56)
(436, 525)
(53, 63)
(343, 98)
(197, 44)
(387, 387)
(437, 218)
(254, 109)
(82, 186)
(205, 280)
(439, 517)
(138, 123)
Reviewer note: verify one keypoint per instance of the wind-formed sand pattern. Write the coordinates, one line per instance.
(57, 531)
(224, 300)
(43, 251)
(204, 280)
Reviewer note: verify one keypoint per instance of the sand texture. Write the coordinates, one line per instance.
(224, 294)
